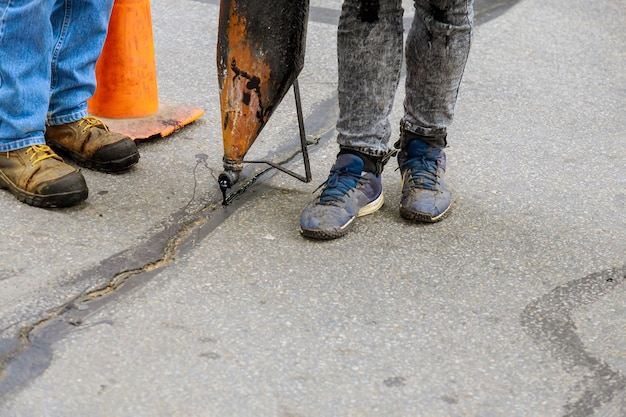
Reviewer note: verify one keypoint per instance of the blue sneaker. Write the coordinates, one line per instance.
(348, 193)
(425, 197)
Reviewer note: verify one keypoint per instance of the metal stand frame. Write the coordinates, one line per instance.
(225, 181)
(303, 144)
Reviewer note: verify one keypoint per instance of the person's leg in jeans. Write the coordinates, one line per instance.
(437, 48)
(25, 51)
(369, 52)
(79, 29)
(369, 49)
(29, 169)
(370, 57)
(79, 32)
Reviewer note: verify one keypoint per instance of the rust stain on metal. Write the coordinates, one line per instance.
(260, 52)
(244, 90)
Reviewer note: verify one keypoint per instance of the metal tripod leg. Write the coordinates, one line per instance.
(227, 179)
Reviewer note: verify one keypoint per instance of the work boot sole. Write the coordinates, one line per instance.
(56, 200)
(117, 165)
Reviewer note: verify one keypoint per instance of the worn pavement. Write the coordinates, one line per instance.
(152, 299)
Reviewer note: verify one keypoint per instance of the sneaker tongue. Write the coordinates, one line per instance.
(350, 163)
(419, 148)
(343, 176)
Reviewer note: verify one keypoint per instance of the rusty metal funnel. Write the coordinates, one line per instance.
(260, 52)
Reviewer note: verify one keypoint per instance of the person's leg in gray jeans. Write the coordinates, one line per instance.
(369, 51)
(369, 47)
(436, 52)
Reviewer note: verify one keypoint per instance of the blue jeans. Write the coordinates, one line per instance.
(370, 52)
(48, 53)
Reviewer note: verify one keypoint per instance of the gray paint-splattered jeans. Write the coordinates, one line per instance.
(369, 46)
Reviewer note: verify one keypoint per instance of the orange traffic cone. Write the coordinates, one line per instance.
(126, 97)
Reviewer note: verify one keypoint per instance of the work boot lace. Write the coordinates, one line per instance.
(90, 122)
(339, 183)
(40, 152)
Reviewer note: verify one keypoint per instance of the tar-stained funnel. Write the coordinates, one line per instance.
(260, 53)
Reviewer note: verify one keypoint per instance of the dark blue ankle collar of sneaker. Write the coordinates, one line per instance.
(373, 164)
(406, 137)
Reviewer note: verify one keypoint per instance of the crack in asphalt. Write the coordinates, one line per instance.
(485, 10)
(28, 355)
(31, 355)
(548, 321)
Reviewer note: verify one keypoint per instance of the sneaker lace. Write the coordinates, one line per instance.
(423, 171)
(90, 122)
(339, 183)
(41, 152)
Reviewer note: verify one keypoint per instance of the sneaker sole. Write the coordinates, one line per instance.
(44, 201)
(422, 217)
(336, 233)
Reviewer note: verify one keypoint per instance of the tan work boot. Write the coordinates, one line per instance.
(39, 177)
(91, 144)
